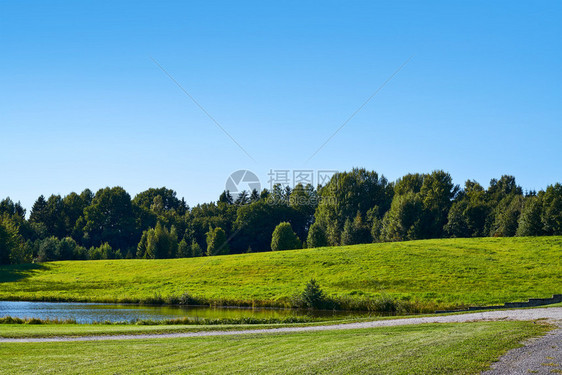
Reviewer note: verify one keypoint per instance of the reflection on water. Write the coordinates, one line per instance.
(93, 312)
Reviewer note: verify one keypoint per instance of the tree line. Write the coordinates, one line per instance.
(354, 207)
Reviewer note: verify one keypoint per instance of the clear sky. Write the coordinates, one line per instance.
(82, 103)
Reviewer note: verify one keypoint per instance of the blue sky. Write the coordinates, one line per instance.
(82, 104)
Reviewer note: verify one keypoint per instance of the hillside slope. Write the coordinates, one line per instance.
(446, 272)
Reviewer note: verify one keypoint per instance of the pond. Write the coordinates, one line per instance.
(95, 312)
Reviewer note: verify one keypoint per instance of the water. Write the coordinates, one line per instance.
(94, 312)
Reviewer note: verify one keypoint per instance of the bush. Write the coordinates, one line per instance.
(48, 249)
(185, 299)
(284, 238)
(313, 297)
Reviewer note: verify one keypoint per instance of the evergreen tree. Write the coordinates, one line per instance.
(217, 243)
(196, 250)
(347, 236)
(158, 243)
(316, 236)
(552, 210)
(530, 223)
(184, 250)
(404, 219)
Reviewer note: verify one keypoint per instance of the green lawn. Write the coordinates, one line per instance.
(61, 330)
(463, 348)
(444, 272)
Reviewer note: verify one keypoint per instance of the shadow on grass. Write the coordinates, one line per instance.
(19, 271)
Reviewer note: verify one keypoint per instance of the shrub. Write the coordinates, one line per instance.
(186, 299)
(48, 249)
(284, 238)
(313, 297)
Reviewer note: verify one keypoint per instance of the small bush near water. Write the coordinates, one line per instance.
(313, 297)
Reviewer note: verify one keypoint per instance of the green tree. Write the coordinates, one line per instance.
(7, 206)
(217, 242)
(184, 250)
(69, 249)
(303, 200)
(470, 212)
(10, 240)
(552, 210)
(499, 196)
(39, 210)
(166, 200)
(347, 236)
(436, 193)
(196, 250)
(313, 296)
(22, 253)
(226, 197)
(507, 216)
(347, 193)
(376, 229)
(255, 223)
(284, 238)
(361, 230)
(110, 218)
(72, 209)
(316, 236)
(107, 251)
(530, 223)
(158, 243)
(404, 219)
(49, 249)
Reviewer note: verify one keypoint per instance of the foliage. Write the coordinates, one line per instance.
(316, 236)
(348, 193)
(354, 207)
(184, 249)
(530, 223)
(10, 240)
(313, 297)
(217, 242)
(110, 219)
(158, 243)
(284, 238)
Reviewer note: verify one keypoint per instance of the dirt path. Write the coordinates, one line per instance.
(553, 314)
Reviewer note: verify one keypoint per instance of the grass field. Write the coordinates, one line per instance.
(437, 273)
(462, 348)
(50, 329)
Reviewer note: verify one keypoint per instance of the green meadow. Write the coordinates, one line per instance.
(462, 348)
(432, 273)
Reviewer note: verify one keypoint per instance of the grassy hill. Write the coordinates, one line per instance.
(434, 273)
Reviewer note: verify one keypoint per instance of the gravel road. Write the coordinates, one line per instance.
(553, 314)
(542, 355)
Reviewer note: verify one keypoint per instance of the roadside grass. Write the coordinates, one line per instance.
(423, 275)
(56, 329)
(460, 348)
